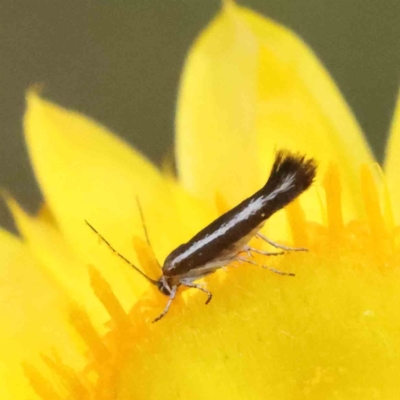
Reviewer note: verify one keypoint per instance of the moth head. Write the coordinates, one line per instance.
(164, 286)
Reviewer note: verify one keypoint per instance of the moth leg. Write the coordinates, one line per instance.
(200, 287)
(249, 251)
(276, 271)
(167, 307)
(279, 246)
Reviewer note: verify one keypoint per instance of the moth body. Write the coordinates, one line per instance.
(222, 241)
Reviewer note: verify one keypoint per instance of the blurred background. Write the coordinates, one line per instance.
(119, 61)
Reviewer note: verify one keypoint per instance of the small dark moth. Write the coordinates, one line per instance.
(226, 239)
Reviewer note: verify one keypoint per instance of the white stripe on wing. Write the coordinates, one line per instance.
(252, 208)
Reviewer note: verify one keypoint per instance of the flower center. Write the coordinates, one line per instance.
(331, 329)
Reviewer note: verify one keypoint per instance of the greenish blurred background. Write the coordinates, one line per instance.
(120, 62)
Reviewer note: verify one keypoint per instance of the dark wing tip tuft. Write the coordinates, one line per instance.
(286, 163)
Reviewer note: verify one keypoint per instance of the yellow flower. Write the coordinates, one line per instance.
(76, 319)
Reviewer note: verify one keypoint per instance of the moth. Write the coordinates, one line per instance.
(227, 238)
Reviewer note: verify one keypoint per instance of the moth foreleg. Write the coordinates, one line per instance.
(168, 305)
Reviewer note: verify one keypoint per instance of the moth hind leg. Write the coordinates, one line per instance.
(249, 250)
(275, 271)
(279, 246)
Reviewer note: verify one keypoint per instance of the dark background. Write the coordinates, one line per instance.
(120, 61)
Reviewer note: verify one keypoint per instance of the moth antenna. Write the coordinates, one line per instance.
(154, 282)
(146, 233)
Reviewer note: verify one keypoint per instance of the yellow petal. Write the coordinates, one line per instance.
(69, 274)
(86, 173)
(216, 117)
(33, 319)
(392, 163)
(250, 87)
(300, 107)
